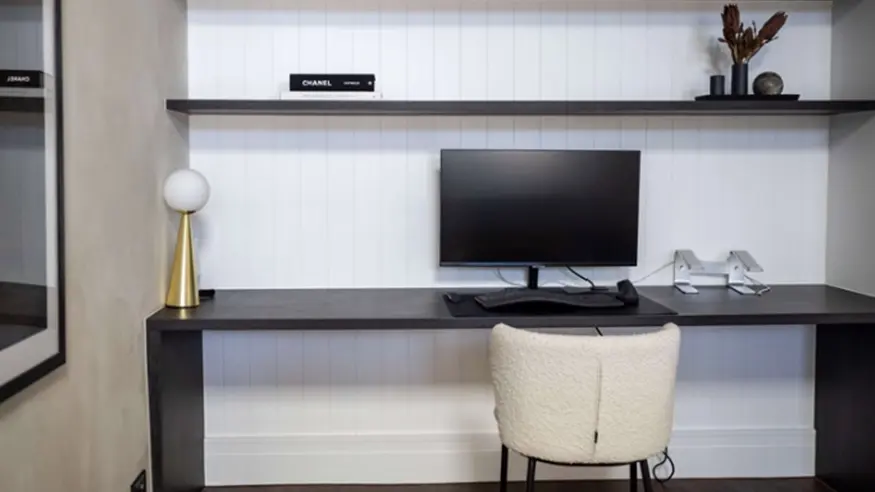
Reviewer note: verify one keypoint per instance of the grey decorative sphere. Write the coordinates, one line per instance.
(768, 84)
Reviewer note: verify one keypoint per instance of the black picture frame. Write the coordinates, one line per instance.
(44, 368)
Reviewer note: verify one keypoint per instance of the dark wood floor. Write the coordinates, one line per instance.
(677, 485)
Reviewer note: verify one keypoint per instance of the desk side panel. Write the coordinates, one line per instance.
(845, 407)
(176, 407)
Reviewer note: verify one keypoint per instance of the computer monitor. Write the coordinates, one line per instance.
(539, 207)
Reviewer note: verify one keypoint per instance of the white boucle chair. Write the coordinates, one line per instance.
(584, 400)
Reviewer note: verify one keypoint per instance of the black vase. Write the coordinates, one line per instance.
(739, 79)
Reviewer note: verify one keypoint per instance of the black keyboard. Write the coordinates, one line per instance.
(526, 297)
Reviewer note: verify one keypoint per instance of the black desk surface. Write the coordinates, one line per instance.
(408, 309)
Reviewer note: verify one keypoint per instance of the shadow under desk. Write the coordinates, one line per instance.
(844, 401)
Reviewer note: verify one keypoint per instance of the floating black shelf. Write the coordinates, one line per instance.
(514, 108)
(22, 104)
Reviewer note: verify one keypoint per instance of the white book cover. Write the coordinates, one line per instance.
(331, 96)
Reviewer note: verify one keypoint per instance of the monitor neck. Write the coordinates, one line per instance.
(532, 277)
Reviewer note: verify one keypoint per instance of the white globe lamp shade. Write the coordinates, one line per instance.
(186, 190)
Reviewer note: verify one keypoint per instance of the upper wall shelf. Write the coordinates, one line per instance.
(513, 108)
(21, 104)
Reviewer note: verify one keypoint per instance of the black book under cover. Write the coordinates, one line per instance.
(315, 82)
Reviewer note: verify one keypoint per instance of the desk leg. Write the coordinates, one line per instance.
(176, 410)
(845, 407)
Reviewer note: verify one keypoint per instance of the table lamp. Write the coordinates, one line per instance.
(185, 191)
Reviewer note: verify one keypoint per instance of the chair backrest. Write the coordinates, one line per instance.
(584, 399)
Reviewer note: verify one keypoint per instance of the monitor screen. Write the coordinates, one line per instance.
(539, 207)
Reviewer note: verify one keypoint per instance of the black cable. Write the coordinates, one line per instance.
(590, 282)
(599, 331)
(665, 459)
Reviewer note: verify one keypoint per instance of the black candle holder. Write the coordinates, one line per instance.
(718, 85)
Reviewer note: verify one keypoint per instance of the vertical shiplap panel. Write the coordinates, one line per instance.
(369, 380)
(422, 197)
(392, 197)
(367, 212)
(314, 187)
(215, 422)
(500, 73)
(554, 132)
(688, 176)
(527, 39)
(237, 384)
(207, 232)
(312, 37)
(202, 33)
(448, 51)
(659, 171)
(581, 133)
(264, 377)
(421, 362)
(258, 50)
(608, 36)
(343, 382)
(341, 200)
(260, 208)
(366, 42)
(288, 203)
(475, 50)
(230, 47)
(580, 62)
(286, 45)
(393, 48)
(500, 132)
(633, 29)
(554, 48)
(526, 132)
(290, 380)
(340, 27)
(420, 52)
(394, 363)
(316, 400)
(658, 51)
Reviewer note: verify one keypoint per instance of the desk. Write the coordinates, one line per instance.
(844, 401)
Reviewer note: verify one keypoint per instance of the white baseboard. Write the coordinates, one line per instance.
(474, 457)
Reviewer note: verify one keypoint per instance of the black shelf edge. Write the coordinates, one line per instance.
(22, 104)
(514, 108)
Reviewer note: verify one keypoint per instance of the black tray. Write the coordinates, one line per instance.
(749, 97)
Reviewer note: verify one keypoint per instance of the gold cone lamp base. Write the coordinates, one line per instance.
(182, 292)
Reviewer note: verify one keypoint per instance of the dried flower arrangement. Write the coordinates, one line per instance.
(743, 42)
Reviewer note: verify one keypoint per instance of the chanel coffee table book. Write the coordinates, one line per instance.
(309, 82)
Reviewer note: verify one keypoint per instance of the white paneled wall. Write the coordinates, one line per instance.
(352, 202)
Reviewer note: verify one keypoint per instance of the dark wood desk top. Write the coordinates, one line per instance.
(23, 304)
(386, 309)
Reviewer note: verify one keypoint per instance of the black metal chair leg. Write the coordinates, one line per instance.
(530, 476)
(503, 484)
(645, 475)
(633, 477)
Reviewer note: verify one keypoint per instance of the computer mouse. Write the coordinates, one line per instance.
(627, 293)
